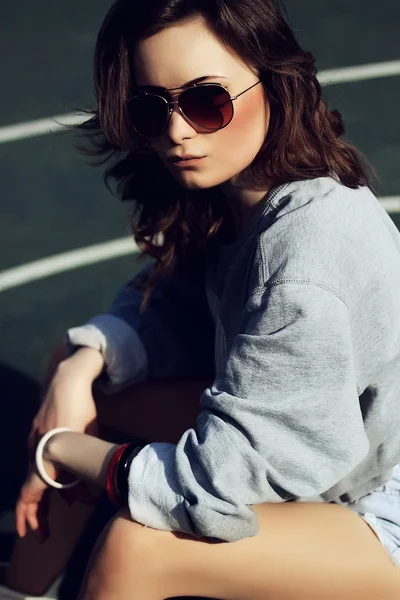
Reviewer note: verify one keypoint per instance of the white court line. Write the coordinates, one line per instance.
(59, 263)
(11, 133)
(67, 261)
(28, 129)
(390, 203)
(85, 256)
(360, 73)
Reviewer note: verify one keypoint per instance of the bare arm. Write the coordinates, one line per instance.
(84, 455)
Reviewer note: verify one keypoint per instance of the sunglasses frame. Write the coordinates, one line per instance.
(171, 103)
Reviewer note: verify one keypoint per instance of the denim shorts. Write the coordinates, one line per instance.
(381, 510)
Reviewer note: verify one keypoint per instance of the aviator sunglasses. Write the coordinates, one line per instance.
(207, 105)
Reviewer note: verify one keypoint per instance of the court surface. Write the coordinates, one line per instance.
(52, 203)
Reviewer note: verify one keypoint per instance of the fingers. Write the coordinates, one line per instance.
(20, 519)
(32, 500)
(31, 516)
(25, 513)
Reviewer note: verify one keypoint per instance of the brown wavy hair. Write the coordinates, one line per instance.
(303, 140)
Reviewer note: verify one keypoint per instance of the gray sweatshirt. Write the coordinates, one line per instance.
(298, 323)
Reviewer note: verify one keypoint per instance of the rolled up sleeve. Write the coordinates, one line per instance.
(125, 357)
(281, 421)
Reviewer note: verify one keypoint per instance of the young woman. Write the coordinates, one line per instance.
(257, 358)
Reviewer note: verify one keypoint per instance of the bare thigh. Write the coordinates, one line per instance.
(327, 550)
(303, 551)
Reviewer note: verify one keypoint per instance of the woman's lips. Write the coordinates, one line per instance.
(190, 162)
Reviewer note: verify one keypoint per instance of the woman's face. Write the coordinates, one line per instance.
(185, 52)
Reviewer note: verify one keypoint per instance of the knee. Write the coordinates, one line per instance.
(126, 550)
(125, 538)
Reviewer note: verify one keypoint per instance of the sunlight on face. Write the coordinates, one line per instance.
(185, 52)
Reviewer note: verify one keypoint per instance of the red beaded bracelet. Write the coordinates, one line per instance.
(110, 477)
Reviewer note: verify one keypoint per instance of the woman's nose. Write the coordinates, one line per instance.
(179, 126)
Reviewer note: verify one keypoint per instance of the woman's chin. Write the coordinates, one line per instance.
(193, 183)
(198, 181)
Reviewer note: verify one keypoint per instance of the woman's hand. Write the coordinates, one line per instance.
(68, 401)
(32, 505)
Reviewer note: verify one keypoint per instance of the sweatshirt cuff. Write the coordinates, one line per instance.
(152, 499)
(160, 497)
(124, 354)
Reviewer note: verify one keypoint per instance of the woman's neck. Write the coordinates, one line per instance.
(243, 202)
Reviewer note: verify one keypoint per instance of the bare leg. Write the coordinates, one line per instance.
(35, 565)
(303, 551)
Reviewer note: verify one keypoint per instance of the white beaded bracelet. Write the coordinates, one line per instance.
(40, 465)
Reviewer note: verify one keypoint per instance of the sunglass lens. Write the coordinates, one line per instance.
(208, 106)
(148, 114)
